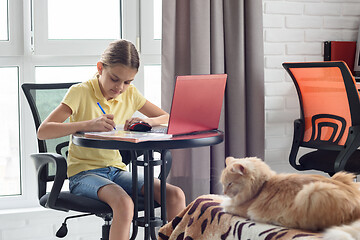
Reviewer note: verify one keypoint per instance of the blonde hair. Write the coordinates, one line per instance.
(121, 52)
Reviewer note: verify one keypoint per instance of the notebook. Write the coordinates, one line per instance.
(195, 108)
(196, 104)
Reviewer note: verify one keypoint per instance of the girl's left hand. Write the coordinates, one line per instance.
(133, 120)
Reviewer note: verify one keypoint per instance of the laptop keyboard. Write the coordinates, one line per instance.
(159, 129)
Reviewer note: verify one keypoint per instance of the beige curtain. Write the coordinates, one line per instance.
(216, 36)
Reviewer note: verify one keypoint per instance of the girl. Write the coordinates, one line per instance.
(100, 173)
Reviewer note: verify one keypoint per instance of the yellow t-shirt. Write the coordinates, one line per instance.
(82, 98)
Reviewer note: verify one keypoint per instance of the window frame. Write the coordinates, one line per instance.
(14, 46)
(149, 45)
(150, 48)
(28, 185)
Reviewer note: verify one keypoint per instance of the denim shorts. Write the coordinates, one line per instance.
(87, 183)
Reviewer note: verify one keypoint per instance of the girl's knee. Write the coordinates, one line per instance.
(124, 203)
(175, 195)
(123, 207)
(117, 199)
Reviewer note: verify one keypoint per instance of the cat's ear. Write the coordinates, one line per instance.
(238, 168)
(228, 160)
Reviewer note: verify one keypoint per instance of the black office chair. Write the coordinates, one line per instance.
(329, 123)
(51, 166)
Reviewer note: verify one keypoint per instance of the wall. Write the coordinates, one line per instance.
(294, 30)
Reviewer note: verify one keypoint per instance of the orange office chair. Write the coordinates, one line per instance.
(330, 117)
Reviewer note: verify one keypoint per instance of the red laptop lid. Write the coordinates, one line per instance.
(196, 104)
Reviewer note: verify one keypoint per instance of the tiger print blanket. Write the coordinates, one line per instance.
(204, 219)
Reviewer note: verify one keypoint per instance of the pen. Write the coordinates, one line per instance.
(102, 110)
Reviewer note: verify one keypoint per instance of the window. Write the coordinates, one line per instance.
(46, 41)
(157, 19)
(151, 12)
(9, 141)
(101, 20)
(85, 28)
(152, 84)
(151, 35)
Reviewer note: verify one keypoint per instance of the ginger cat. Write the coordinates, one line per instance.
(309, 202)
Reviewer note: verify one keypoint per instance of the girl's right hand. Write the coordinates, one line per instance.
(104, 123)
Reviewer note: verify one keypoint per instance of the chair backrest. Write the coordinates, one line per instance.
(43, 99)
(329, 100)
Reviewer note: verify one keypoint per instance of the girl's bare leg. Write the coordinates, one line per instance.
(123, 210)
(175, 199)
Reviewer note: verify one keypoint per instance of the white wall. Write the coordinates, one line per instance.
(294, 30)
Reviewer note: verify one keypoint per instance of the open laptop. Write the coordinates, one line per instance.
(196, 104)
(195, 108)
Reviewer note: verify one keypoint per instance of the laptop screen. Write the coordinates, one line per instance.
(196, 104)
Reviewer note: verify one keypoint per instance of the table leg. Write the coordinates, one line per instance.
(147, 193)
(134, 194)
(163, 186)
(151, 187)
(149, 221)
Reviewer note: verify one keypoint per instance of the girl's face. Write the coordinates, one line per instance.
(114, 80)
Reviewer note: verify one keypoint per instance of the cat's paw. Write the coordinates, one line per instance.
(226, 202)
(336, 234)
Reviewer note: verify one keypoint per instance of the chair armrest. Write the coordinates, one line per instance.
(297, 139)
(60, 146)
(351, 145)
(41, 160)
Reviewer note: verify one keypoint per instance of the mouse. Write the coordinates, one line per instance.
(140, 127)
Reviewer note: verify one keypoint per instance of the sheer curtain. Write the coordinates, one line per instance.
(211, 37)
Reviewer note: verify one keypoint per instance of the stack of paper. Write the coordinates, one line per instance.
(128, 136)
